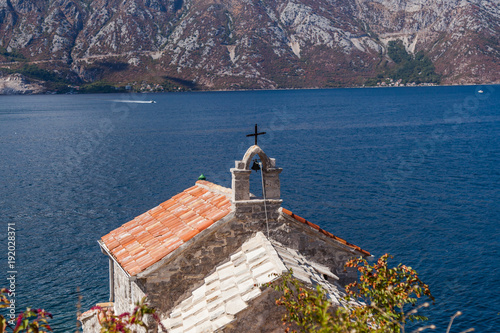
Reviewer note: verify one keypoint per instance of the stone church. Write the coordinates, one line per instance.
(201, 256)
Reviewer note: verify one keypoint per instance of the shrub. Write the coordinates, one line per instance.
(389, 297)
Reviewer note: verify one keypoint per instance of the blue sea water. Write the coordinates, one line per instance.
(409, 171)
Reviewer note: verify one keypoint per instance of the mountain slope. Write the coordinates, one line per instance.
(213, 44)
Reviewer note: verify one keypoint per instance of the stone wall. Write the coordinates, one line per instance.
(176, 279)
(90, 323)
(262, 315)
(121, 290)
(126, 292)
(315, 246)
(254, 209)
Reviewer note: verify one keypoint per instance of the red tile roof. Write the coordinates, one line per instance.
(314, 226)
(149, 237)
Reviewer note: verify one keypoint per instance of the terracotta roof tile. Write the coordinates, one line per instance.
(136, 250)
(166, 219)
(112, 243)
(134, 270)
(149, 224)
(214, 187)
(152, 243)
(193, 222)
(161, 215)
(213, 214)
(214, 217)
(144, 237)
(189, 216)
(107, 238)
(326, 233)
(167, 204)
(168, 239)
(179, 228)
(204, 224)
(145, 258)
(201, 210)
(129, 224)
(188, 233)
(195, 190)
(208, 195)
(149, 237)
(119, 250)
(222, 204)
(226, 206)
(153, 210)
(127, 261)
(196, 203)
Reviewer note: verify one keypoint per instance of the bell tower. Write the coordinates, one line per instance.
(242, 202)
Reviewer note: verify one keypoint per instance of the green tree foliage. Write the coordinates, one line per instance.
(417, 68)
(388, 291)
(397, 52)
(310, 311)
(99, 87)
(409, 68)
(389, 297)
(13, 55)
(34, 72)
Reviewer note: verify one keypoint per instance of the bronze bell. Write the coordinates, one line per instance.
(255, 166)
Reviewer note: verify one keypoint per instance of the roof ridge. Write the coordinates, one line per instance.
(215, 188)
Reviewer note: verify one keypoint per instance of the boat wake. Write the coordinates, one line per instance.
(132, 101)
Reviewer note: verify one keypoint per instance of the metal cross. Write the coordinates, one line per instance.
(256, 134)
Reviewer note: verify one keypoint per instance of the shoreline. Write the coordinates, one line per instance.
(244, 90)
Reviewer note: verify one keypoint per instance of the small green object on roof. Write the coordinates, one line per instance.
(202, 177)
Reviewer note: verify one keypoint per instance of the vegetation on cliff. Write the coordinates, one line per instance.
(13, 55)
(408, 69)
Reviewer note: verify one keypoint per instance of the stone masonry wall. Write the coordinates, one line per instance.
(176, 279)
(121, 290)
(315, 246)
(91, 324)
(173, 282)
(126, 293)
(262, 315)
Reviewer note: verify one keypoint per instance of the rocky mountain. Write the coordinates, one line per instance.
(235, 44)
(17, 84)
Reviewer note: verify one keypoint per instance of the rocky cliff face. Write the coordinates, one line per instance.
(250, 43)
(17, 84)
(460, 36)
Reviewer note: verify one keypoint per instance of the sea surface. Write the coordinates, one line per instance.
(414, 172)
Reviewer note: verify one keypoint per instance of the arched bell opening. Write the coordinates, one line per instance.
(255, 180)
(256, 152)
